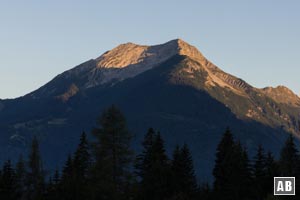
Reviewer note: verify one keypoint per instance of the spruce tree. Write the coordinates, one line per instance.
(57, 192)
(53, 187)
(289, 158)
(289, 162)
(184, 178)
(21, 175)
(68, 180)
(177, 167)
(113, 155)
(260, 173)
(240, 183)
(35, 176)
(272, 170)
(142, 163)
(56, 178)
(8, 185)
(156, 180)
(232, 170)
(82, 158)
(49, 190)
(222, 170)
(190, 181)
(81, 166)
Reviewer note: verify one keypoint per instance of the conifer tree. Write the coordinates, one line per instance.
(240, 183)
(68, 180)
(190, 181)
(113, 155)
(8, 185)
(222, 170)
(289, 158)
(184, 178)
(289, 162)
(49, 190)
(260, 173)
(177, 168)
(81, 166)
(156, 179)
(272, 170)
(53, 187)
(21, 175)
(232, 170)
(142, 163)
(82, 158)
(56, 178)
(35, 175)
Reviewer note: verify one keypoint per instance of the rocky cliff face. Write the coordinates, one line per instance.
(282, 94)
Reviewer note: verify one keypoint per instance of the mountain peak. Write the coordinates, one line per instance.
(191, 69)
(282, 94)
(184, 48)
(177, 43)
(129, 60)
(122, 56)
(129, 54)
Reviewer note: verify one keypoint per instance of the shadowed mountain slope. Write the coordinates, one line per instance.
(171, 87)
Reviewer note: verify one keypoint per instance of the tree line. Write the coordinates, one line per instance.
(107, 169)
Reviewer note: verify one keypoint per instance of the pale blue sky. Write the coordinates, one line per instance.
(257, 40)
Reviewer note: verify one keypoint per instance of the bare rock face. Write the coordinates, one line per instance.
(129, 54)
(282, 94)
(122, 56)
(72, 91)
(128, 60)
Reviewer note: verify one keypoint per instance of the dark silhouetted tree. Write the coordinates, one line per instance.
(289, 158)
(68, 180)
(54, 191)
(272, 170)
(289, 162)
(111, 173)
(82, 159)
(260, 173)
(142, 163)
(241, 180)
(8, 184)
(156, 175)
(184, 179)
(35, 185)
(81, 165)
(21, 176)
(222, 170)
(232, 170)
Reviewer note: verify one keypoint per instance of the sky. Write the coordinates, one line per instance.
(256, 40)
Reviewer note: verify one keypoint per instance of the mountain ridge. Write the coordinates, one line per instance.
(175, 89)
(129, 60)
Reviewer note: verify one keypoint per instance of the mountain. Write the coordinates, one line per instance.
(171, 87)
